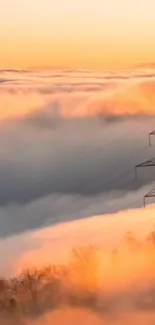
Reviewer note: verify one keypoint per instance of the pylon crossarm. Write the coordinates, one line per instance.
(144, 201)
(148, 195)
(147, 163)
(150, 134)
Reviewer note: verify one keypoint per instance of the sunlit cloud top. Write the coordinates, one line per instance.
(74, 33)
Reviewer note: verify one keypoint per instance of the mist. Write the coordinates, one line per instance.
(103, 268)
(57, 123)
(69, 143)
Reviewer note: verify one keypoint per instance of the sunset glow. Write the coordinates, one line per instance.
(77, 120)
(82, 34)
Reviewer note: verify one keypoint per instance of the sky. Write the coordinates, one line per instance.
(94, 34)
(70, 138)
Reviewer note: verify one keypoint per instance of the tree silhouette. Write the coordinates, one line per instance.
(85, 265)
(31, 283)
(131, 241)
(151, 237)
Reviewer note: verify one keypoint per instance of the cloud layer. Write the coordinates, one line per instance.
(53, 244)
(77, 93)
(55, 166)
(125, 291)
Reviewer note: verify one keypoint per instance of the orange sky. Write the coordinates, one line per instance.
(70, 33)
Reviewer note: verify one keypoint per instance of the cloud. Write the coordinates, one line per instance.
(68, 154)
(69, 142)
(125, 289)
(2, 80)
(106, 231)
(83, 100)
(71, 316)
(44, 174)
(149, 65)
(53, 244)
(78, 93)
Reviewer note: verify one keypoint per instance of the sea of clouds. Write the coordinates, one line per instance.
(69, 141)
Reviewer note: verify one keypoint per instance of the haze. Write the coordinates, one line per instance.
(79, 34)
(77, 102)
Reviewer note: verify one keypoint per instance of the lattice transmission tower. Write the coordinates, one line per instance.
(147, 163)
